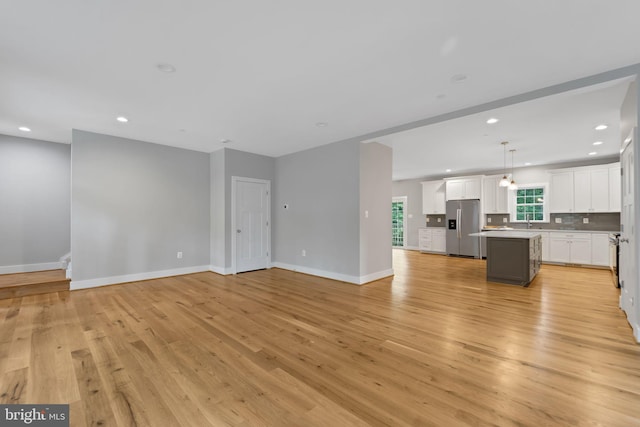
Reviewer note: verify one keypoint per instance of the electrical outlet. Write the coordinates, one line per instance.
(558, 220)
(179, 255)
(489, 220)
(428, 219)
(504, 219)
(304, 252)
(366, 214)
(439, 219)
(585, 220)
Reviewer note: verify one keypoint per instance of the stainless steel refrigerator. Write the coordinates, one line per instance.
(463, 218)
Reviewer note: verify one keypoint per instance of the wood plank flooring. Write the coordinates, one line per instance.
(434, 346)
(37, 282)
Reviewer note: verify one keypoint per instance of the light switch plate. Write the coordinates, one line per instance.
(489, 220)
(504, 220)
(439, 219)
(558, 220)
(585, 220)
(428, 219)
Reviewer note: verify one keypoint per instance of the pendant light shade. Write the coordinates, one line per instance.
(512, 184)
(504, 182)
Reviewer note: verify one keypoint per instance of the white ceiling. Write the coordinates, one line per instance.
(262, 74)
(553, 129)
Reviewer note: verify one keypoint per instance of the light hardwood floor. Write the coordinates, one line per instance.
(436, 346)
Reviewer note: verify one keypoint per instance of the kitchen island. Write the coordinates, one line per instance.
(513, 257)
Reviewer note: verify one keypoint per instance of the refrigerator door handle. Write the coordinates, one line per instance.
(459, 222)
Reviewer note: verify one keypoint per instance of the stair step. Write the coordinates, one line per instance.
(37, 282)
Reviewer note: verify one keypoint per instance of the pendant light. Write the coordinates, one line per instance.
(512, 184)
(504, 182)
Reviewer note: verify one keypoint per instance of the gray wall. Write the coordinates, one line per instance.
(246, 165)
(321, 187)
(218, 218)
(35, 201)
(134, 205)
(375, 198)
(412, 189)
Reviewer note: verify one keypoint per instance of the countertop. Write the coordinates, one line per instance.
(508, 234)
(548, 230)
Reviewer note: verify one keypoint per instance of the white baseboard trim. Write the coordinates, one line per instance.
(636, 332)
(27, 268)
(376, 276)
(334, 276)
(104, 281)
(220, 270)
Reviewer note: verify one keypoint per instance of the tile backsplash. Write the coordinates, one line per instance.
(432, 220)
(570, 221)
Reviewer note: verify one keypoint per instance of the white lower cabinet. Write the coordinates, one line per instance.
(600, 249)
(432, 240)
(439, 240)
(573, 248)
(544, 241)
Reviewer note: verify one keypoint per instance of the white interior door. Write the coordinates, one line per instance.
(251, 224)
(627, 267)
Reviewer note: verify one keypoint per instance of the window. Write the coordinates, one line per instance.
(398, 223)
(530, 204)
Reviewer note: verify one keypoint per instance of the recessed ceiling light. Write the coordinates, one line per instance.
(166, 68)
(225, 141)
(593, 153)
(601, 127)
(322, 124)
(458, 78)
(598, 143)
(492, 120)
(122, 119)
(448, 170)
(527, 164)
(24, 129)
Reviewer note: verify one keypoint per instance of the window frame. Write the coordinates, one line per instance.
(513, 205)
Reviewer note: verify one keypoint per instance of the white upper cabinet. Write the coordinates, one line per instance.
(463, 188)
(591, 190)
(561, 192)
(587, 189)
(615, 188)
(433, 199)
(494, 197)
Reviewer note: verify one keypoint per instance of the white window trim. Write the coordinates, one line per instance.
(403, 199)
(545, 204)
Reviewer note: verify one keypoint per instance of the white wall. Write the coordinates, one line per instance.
(35, 204)
(134, 206)
(375, 211)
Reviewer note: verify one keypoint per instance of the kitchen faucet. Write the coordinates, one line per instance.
(528, 216)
